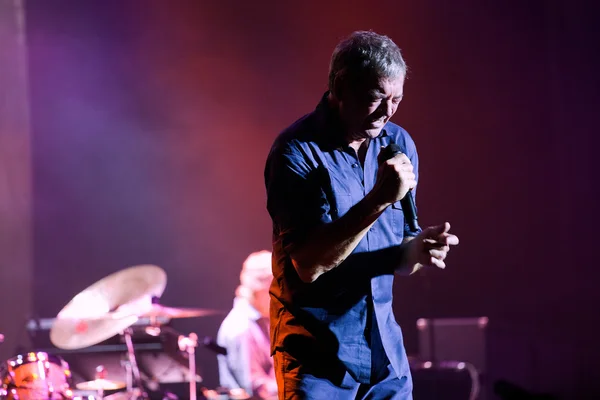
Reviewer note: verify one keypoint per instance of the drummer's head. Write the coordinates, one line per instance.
(255, 279)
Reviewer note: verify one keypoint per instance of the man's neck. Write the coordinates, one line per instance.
(361, 147)
(358, 145)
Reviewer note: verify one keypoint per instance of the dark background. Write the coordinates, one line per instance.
(151, 121)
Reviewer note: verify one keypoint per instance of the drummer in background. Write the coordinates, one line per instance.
(245, 332)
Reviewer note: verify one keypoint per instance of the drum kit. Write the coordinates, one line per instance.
(105, 309)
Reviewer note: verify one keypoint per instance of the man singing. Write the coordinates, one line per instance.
(340, 235)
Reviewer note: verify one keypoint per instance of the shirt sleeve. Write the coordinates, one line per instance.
(296, 195)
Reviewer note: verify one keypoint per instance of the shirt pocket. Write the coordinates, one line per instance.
(342, 202)
(340, 198)
(397, 219)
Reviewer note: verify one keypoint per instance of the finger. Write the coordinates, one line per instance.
(399, 166)
(437, 231)
(437, 263)
(445, 227)
(404, 167)
(434, 232)
(408, 182)
(452, 239)
(400, 158)
(445, 239)
(407, 176)
(439, 254)
(433, 245)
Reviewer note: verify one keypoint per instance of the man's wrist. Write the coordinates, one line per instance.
(373, 204)
(407, 264)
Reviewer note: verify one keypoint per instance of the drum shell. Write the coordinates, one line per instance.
(34, 375)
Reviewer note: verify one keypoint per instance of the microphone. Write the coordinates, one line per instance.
(407, 202)
(211, 344)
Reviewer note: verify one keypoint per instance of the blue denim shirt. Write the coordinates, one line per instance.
(346, 315)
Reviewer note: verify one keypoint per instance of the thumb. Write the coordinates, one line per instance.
(438, 229)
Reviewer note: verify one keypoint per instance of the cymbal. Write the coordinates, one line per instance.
(104, 309)
(119, 396)
(160, 311)
(100, 384)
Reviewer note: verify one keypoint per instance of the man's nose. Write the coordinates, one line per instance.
(386, 108)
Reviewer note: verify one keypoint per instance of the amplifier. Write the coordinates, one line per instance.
(453, 339)
(461, 340)
(447, 380)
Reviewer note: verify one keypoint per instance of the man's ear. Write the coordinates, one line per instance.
(339, 87)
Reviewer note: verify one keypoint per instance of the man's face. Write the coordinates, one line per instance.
(367, 106)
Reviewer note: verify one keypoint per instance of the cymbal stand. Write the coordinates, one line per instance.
(134, 377)
(100, 374)
(128, 374)
(189, 344)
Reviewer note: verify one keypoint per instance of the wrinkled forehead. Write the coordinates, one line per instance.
(376, 84)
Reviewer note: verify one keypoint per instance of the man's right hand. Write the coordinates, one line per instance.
(394, 179)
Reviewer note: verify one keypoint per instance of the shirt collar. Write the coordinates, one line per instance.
(244, 305)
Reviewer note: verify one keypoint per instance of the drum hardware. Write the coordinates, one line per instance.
(189, 344)
(87, 395)
(107, 308)
(212, 345)
(100, 384)
(110, 307)
(134, 370)
(224, 393)
(126, 364)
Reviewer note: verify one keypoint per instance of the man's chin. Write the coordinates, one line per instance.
(373, 132)
(370, 133)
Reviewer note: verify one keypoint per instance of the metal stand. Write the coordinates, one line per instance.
(133, 375)
(100, 374)
(128, 375)
(189, 344)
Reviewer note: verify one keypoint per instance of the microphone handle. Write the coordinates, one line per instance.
(408, 201)
(410, 211)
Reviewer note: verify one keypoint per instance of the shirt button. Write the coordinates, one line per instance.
(355, 165)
